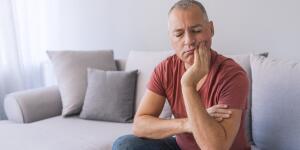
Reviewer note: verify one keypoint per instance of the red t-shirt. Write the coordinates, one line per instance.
(226, 83)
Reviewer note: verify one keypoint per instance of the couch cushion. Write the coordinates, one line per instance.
(71, 72)
(275, 103)
(145, 62)
(60, 133)
(110, 96)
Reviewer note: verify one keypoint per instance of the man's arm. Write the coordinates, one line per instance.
(208, 133)
(147, 124)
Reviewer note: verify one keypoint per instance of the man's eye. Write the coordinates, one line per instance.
(178, 34)
(197, 31)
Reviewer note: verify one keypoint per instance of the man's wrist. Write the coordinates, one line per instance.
(184, 125)
(188, 88)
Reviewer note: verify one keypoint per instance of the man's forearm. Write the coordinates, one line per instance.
(208, 133)
(155, 128)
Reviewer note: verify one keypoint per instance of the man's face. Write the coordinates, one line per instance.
(187, 28)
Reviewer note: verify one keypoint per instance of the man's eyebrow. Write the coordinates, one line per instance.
(197, 25)
(177, 30)
(194, 26)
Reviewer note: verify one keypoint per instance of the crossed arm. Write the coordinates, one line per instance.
(208, 133)
(208, 129)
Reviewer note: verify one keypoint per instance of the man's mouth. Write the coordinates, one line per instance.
(190, 51)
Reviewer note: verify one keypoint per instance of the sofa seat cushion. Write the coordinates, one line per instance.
(60, 133)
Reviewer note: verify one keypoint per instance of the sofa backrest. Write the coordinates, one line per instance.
(145, 62)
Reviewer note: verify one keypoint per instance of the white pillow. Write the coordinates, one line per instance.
(275, 103)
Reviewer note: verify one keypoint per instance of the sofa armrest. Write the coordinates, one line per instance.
(33, 105)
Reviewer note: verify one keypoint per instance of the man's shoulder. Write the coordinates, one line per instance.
(227, 67)
(227, 63)
(229, 73)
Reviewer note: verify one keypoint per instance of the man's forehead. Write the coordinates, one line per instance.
(188, 18)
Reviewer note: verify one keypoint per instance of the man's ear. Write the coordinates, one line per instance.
(212, 29)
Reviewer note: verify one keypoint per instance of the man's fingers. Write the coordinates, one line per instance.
(196, 56)
(223, 111)
(219, 119)
(203, 51)
(218, 115)
(201, 48)
(220, 106)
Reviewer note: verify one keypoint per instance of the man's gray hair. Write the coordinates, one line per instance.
(185, 4)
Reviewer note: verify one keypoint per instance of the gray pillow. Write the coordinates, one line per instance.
(110, 96)
(275, 103)
(70, 69)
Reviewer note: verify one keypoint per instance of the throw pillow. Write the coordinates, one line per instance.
(110, 96)
(275, 103)
(70, 69)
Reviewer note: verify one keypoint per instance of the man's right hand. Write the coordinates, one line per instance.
(219, 112)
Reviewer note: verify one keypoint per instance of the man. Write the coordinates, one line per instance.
(207, 92)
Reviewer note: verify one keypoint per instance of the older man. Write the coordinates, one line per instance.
(206, 91)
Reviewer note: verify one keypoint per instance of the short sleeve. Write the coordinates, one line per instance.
(234, 91)
(155, 83)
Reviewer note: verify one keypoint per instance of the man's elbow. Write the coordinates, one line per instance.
(219, 146)
(136, 130)
(220, 143)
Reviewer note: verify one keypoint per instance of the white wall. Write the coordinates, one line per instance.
(240, 26)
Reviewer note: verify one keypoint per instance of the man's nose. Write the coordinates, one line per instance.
(189, 39)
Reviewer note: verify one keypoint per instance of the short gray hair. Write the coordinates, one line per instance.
(185, 4)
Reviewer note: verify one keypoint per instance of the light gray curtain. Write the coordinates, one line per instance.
(21, 46)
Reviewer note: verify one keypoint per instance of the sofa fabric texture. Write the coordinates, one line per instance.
(62, 133)
(110, 96)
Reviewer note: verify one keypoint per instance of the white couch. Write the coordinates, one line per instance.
(35, 122)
